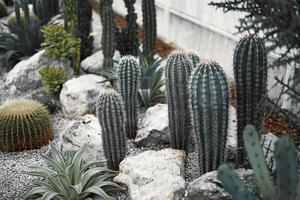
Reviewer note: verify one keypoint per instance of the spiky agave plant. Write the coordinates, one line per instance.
(70, 177)
(24, 124)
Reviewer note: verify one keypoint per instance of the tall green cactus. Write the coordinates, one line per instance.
(22, 6)
(129, 75)
(177, 73)
(45, 9)
(250, 71)
(209, 109)
(195, 59)
(149, 26)
(108, 34)
(111, 115)
(287, 177)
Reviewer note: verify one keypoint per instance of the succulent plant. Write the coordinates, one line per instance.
(250, 72)
(111, 115)
(70, 177)
(3, 11)
(53, 78)
(209, 100)
(177, 73)
(287, 178)
(108, 35)
(194, 58)
(149, 26)
(24, 124)
(129, 76)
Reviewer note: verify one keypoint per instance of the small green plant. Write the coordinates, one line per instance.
(150, 92)
(287, 177)
(53, 78)
(70, 177)
(61, 45)
(3, 11)
(24, 124)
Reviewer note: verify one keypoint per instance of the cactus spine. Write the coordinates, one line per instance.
(108, 35)
(250, 71)
(111, 115)
(24, 125)
(177, 73)
(129, 75)
(149, 25)
(209, 109)
(195, 59)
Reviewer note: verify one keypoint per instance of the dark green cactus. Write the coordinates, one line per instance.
(209, 99)
(129, 75)
(111, 115)
(149, 26)
(45, 9)
(194, 58)
(108, 34)
(250, 71)
(84, 17)
(24, 125)
(287, 177)
(22, 8)
(177, 73)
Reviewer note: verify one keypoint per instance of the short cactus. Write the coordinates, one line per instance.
(177, 73)
(250, 71)
(24, 125)
(194, 58)
(209, 109)
(111, 115)
(129, 75)
(53, 78)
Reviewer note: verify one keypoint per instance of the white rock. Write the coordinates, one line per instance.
(25, 75)
(268, 144)
(93, 63)
(79, 132)
(97, 46)
(208, 187)
(154, 127)
(57, 19)
(96, 31)
(78, 95)
(154, 175)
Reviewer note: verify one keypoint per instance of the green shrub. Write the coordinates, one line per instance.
(3, 11)
(53, 78)
(24, 124)
(61, 45)
(71, 178)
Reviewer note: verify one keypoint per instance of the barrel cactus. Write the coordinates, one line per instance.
(209, 109)
(129, 75)
(250, 71)
(177, 73)
(194, 58)
(111, 115)
(24, 125)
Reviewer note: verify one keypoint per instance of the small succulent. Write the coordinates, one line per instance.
(53, 78)
(70, 177)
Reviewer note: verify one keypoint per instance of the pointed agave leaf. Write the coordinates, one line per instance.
(54, 164)
(98, 191)
(110, 185)
(35, 191)
(49, 195)
(56, 155)
(61, 182)
(77, 161)
(43, 172)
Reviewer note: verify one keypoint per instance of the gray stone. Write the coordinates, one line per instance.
(25, 75)
(208, 187)
(97, 46)
(231, 143)
(78, 95)
(84, 130)
(154, 175)
(154, 127)
(93, 63)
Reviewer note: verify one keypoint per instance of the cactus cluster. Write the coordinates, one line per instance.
(24, 125)
(177, 72)
(129, 75)
(111, 115)
(250, 72)
(53, 78)
(209, 100)
(287, 178)
(149, 26)
(108, 34)
(194, 58)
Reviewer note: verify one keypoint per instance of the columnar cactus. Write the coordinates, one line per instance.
(250, 71)
(149, 25)
(108, 34)
(177, 73)
(111, 115)
(209, 109)
(129, 75)
(194, 58)
(132, 27)
(24, 125)
(45, 9)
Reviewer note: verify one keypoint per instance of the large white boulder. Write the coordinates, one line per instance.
(154, 175)
(93, 63)
(154, 127)
(84, 130)
(79, 95)
(25, 75)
